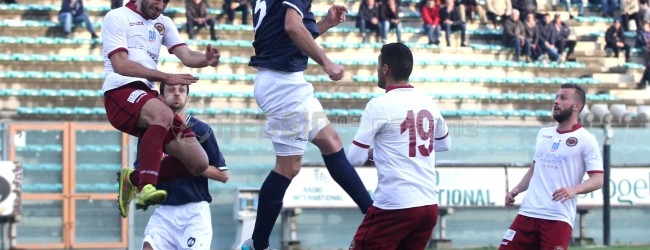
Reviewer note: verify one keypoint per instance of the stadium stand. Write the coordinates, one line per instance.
(47, 78)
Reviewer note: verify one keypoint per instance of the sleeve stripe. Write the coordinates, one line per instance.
(442, 138)
(117, 50)
(173, 47)
(224, 168)
(294, 7)
(595, 172)
(361, 145)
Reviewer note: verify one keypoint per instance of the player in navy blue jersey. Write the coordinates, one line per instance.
(284, 40)
(183, 220)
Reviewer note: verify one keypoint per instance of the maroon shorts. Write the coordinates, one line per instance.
(408, 228)
(124, 104)
(536, 234)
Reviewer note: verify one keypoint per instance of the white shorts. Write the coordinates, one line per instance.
(293, 115)
(180, 227)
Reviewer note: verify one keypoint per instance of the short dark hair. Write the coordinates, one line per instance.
(580, 95)
(399, 59)
(162, 89)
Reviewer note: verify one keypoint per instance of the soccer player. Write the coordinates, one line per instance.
(183, 221)
(406, 129)
(132, 37)
(284, 39)
(563, 154)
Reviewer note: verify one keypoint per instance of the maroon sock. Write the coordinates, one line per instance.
(149, 154)
(134, 177)
(172, 169)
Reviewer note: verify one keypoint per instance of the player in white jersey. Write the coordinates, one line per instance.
(406, 129)
(563, 155)
(132, 37)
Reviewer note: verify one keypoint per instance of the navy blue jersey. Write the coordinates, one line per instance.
(194, 188)
(273, 47)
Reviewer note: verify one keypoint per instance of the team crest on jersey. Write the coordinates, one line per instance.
(191, 241)
(160, 28)
(572, 141)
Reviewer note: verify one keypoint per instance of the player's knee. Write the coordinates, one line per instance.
(328, 142)
(288, 167)
(164, 118)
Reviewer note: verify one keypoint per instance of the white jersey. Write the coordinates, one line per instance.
(125, 29)
(403, 125)
(561, 160)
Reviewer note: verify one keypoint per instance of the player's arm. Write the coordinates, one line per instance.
(217, 169)
(124, 66)
(359, 151)
(441, 136)
(196, 59)
(335, 16)
(593, 164)
(301, 37)
(521, 187)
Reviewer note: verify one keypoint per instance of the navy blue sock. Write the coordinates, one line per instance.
(345, 175)
(268, 208)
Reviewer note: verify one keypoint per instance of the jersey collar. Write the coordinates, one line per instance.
(389, 88)
(131, 6)
(574, 128)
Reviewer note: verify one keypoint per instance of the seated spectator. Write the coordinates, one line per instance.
(581, 6)
(643, 42)
(532, 37)
(451, 22)
(630, 9)
(560, 33)
(615, 40)
(389, 18)
(73, 12)
(498, 11)
(525, 6)
(230, 6)
(514, 36)
(545, 42)
(431, 21)
(196, 12)
(644, 11)
(368, 19)
(469, 9)
(607, 7)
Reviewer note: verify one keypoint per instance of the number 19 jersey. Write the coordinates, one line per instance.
(273, 47)
(403, 126)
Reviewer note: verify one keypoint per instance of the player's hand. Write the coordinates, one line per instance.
(510, 197)
(564, 194)
(176, 79)
(334, 71)
(212, 56)
(336, 15)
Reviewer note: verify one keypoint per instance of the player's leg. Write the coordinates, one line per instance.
(181, 143)
(419, 237)
(384, 229)
(522, 234)
(159, 233)
(325, 137)
(197, 233)
(554, 234)
(131, 109)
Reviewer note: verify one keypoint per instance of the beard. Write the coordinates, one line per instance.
(381, 82)
(147, 11)
(563, 115)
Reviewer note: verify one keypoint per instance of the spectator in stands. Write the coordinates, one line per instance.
(452, 22)
(196, 12)
(630, 9)
(560, 33)
(230, 6)
(9, 1)
(643, 42)
(389, 18)
(581, 6)
(607, 7)
(431, 21)
(117, 3)
(368, 19)
(498, 11)
(469, 9)
(545, 42)
(73, 12)
(525, 6)
(615, 40)
(532, 37)
(644, 11)
(514, 36)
